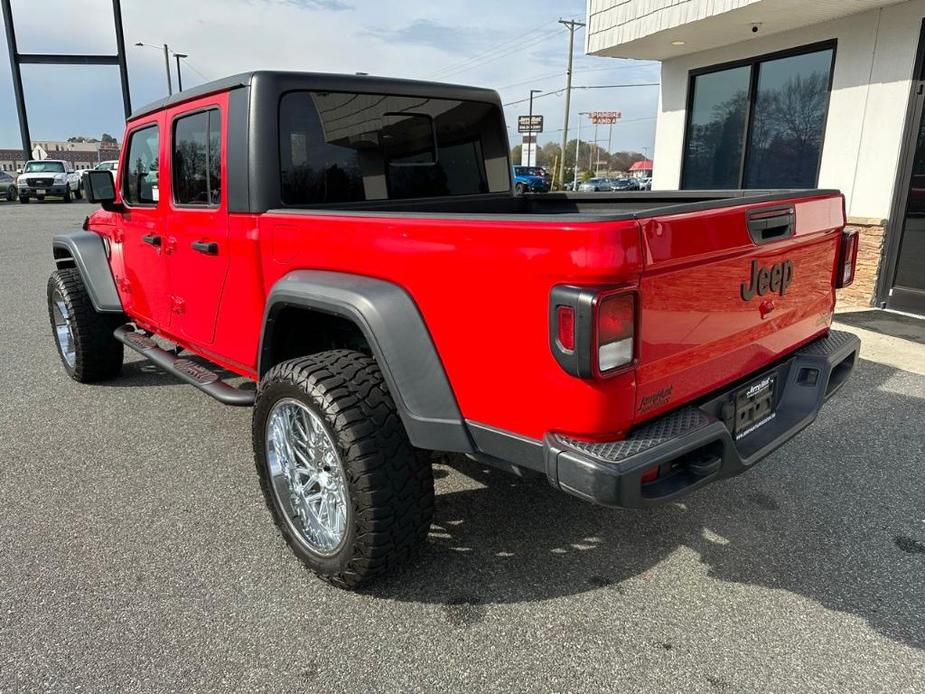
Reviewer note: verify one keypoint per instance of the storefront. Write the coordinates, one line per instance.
(788, 94)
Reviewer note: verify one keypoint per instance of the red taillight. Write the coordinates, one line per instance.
(650, 475)
(565, 327)
(848, 259)
(616, 317)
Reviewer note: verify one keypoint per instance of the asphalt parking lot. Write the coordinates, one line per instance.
(136, 553)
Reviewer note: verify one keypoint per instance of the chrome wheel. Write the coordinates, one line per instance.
(307, 476)
(64, 330)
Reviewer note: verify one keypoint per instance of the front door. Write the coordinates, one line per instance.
(197, 244)
(907, 290)
(143, 288)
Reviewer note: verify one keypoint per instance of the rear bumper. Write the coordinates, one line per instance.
(693, 445)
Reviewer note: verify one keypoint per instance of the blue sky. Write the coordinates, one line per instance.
(511, 47)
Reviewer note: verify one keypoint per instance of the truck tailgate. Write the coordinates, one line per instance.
(725, 291)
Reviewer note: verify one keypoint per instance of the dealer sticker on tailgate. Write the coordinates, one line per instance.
(754, 405)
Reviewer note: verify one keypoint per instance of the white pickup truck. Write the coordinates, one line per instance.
(48, 177)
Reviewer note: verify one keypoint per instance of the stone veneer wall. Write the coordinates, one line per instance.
(870, 251)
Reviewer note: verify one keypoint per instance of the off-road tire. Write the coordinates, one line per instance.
(390, 484)
(98, 354)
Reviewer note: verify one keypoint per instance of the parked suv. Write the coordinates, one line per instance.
(529, 179)
(45, 177)
(108, 165)
(353, 246)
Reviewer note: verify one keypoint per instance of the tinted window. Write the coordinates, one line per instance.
(339, 147)
(772, 110)
(140, 179)
(716, 129)
(785, 139)
(197, 159)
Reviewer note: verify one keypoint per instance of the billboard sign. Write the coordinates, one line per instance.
(529, 124)
(604, 117)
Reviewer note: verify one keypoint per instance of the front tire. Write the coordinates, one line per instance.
(78, 192)
(348, 492)
(24, 199)
(87, 348)
(67, 194)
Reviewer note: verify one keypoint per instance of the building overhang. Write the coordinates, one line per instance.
(629, 29)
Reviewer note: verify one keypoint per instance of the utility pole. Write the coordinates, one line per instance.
(609, 146)
(577, 147)
(591, 152)
(179, 79)
(166, 50)
(572, 27)
(531, 147)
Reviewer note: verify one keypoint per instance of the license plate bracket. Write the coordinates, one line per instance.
(754, 405)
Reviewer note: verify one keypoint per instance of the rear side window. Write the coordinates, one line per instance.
(140, 184)
(197, 159)
(338, 147)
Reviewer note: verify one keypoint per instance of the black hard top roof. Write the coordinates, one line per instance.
(285, 81)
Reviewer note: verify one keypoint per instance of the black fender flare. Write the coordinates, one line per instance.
(87, 252)
(395, 330)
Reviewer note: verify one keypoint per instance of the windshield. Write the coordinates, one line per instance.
(44, 167)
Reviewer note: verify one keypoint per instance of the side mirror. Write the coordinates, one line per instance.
(101, 188)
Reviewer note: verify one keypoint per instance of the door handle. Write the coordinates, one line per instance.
(153, 239)
(206, 247)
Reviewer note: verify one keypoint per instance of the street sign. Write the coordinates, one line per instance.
(529, 124)
(604, 117)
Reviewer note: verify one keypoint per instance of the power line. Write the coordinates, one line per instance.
(597, 86)
(451, 67)
(486, 59)
(193, 68)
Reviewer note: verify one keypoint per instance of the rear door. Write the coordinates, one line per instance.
(726, 291)
(197, 243)
(143, 287)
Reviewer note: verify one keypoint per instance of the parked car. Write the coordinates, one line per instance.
(645, 183)
(631, 354)
(7, 186)
(624, 184)
(44, 177)
(597, 184)
(108, 165)
(528, 180)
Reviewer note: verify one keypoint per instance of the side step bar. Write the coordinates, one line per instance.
(207, 381)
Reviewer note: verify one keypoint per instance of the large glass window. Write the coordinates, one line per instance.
(758, 125)
(140, 179)
(197, 159)
(337, 147)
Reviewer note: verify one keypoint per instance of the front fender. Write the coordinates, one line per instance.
(87, 252)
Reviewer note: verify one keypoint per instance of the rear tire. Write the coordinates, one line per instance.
(385, 486)
(78, 192)
(11, 194)
(24, 199)
(87, 348)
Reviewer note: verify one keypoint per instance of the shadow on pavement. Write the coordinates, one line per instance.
(886, 323)
(829, 518)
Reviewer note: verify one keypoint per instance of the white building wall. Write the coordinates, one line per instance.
(874, 61)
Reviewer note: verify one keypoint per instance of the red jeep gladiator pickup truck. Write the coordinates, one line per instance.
(353, 245)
